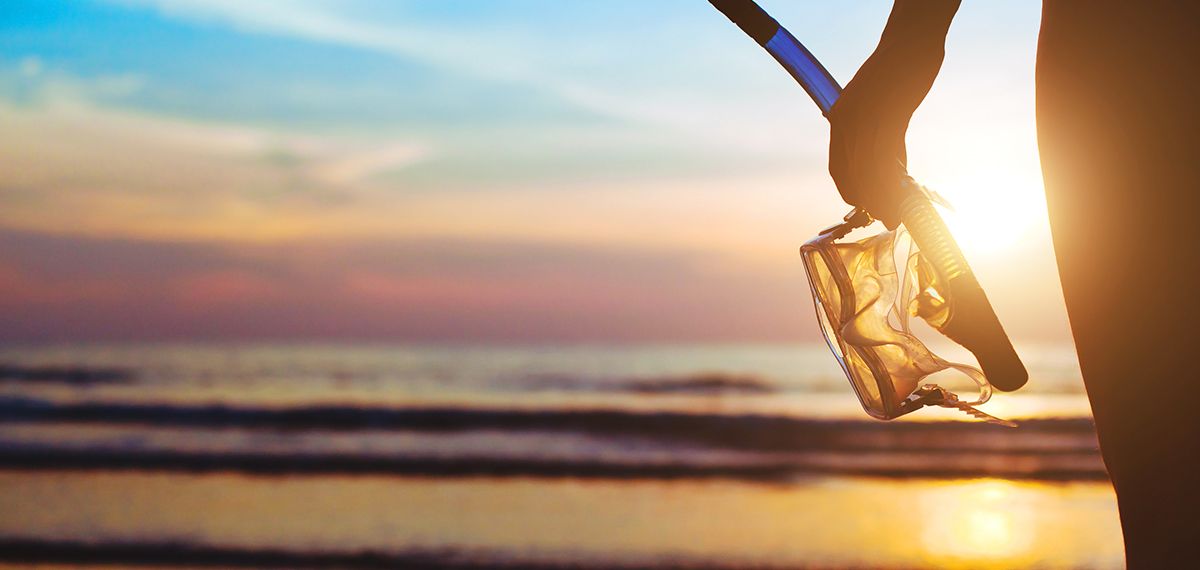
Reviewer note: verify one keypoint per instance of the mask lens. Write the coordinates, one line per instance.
(863, 296)
(827, 299)
(831, 297)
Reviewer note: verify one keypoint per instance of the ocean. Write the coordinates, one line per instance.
(373, 455)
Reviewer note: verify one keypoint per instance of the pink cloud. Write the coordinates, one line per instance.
(83, 288)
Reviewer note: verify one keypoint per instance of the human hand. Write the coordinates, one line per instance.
(867, 156)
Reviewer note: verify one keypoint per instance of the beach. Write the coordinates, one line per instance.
(580, 456)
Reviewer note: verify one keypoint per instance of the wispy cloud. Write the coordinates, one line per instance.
(80, 169)
(674, 84)
(64, 287)
(358, 166)
(321, 20)
(85, 167)
(35, 82)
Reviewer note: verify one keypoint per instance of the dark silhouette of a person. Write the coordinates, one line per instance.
(1118, 119)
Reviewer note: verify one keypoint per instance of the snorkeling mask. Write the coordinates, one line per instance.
(865, 293)
(864, 302)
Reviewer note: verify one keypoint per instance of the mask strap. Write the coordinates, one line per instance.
(976, 375)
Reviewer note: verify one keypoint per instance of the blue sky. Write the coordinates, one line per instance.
(515, 138)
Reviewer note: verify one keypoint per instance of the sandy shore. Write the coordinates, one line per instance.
(836, 522)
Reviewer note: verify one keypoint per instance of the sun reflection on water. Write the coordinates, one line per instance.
(825, 522)
(986, 520)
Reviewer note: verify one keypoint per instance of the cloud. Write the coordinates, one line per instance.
(355, 167)
(645, 64)
(31, 81)
(328, 22)
(91, 170)
(58, 287)
(30, 66)
(77, 288)
(97, 171)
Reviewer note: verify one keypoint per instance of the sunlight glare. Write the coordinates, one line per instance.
(994, 215)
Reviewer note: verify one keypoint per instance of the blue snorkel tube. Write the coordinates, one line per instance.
(785, 48)
(973, 322)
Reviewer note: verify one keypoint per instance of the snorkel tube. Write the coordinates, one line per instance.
(972, 322)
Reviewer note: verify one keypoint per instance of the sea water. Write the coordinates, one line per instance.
(708, 456)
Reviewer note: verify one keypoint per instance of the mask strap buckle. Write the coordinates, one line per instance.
(934, 395)
(857, 218)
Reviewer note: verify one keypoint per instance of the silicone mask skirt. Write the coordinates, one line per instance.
(864, 302)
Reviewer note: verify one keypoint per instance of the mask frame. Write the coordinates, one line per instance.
(867, 327)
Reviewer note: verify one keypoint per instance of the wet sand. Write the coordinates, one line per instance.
(240, 520)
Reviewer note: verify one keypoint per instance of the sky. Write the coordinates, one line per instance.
(511, 171)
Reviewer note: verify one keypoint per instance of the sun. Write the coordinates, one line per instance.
(984, 160)
(993, 215)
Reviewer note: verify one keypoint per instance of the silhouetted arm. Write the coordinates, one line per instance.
(866, 145)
